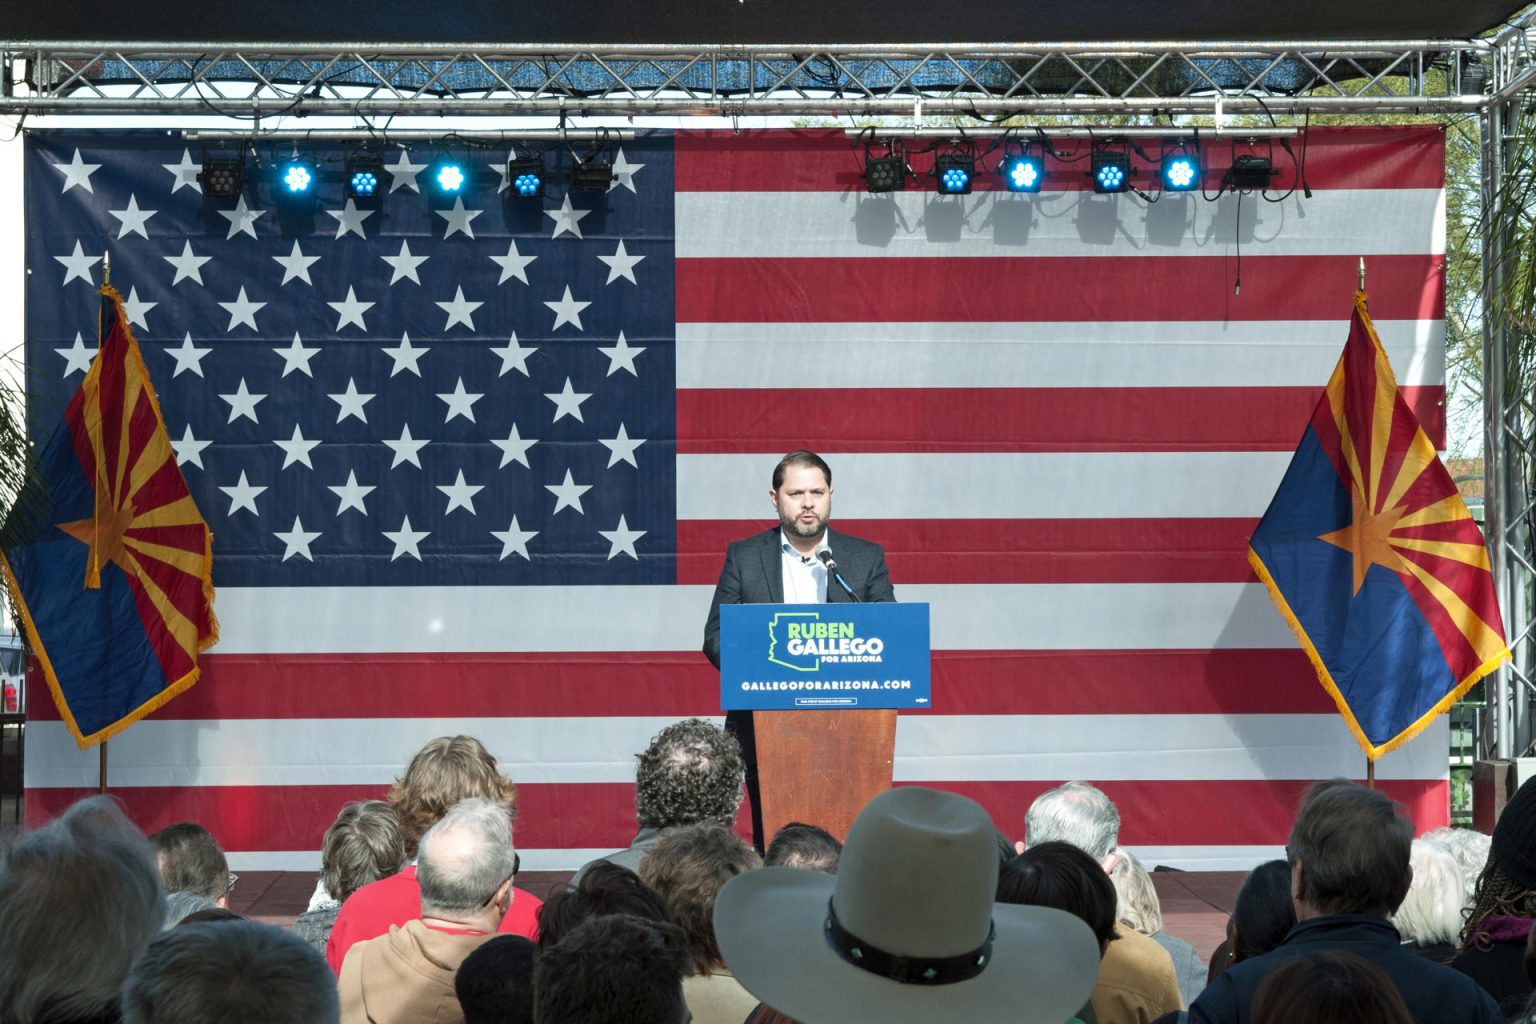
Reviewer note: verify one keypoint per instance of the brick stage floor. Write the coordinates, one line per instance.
(1195, 903)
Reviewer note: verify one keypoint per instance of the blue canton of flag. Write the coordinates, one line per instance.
(416, 390)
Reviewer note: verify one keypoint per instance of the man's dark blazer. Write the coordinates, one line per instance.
(754, 574)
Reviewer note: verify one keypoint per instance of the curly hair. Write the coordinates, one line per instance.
(692, 772)
(1496, 893)
(688, 868)
(445, 771)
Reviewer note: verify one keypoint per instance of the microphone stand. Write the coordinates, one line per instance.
(831, 564)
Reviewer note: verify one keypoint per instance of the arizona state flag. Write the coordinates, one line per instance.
(107, 557)
(1371, 555)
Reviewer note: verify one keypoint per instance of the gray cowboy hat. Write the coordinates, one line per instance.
(907, 930)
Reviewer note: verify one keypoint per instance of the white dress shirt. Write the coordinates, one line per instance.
(805, 577)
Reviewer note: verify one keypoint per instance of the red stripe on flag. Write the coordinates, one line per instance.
(827, 161)
(602, 815)
(1123, 289)
(682, 684)
(1016, 550)
(1012, 419)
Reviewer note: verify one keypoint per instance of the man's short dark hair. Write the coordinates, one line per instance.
(604, 889)
(1353, 847)
(616, 969)
(1329, 985)
(688, 867)
(691, 772)
(495, 982)
(190, 860)
(1058, 874)
(803, 458)
(230, 971)
(809, 847)
(1263, 913)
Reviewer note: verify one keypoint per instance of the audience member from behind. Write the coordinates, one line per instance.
(1139, 909)
(80, 901)
(1329, 988)
(1264, 913)
(230, 972)
(191, 862)
(614, 969)
(362, 845)
(1429, 919)
(691, 773)
(1504, 906)
(908, 930)
(1469, 847)
(604, 889)
(688, 867)
(1057, 874)
(495, 982)
(1137, 981)
(465, 866)
(797, 845)
(445, 771)
(1348, 852)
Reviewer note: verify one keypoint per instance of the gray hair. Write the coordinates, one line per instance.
(466, 856)
(89, 865)
(179, 904)
(363, 845)
(1431, 912)
(239, 972)
(1469, 847)
(1077, 813)
(1137, 905)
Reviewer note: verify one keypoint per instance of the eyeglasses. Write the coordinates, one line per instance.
(233, 878)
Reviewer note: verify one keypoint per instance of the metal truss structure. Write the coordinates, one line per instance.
(1492, 77)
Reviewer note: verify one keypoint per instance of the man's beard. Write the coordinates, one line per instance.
(795, 528)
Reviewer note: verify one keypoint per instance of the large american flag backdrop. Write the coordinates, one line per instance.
(472, 465)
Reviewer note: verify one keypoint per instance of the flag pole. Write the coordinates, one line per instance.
(1370, 774)
(106, 280)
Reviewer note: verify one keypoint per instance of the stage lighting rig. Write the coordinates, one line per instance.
(1181, 169)
(526, 176)
(1023, 171)
(1111, 169)
(449, 177)
(955, 173)
(222, 176)
(365, 173)
(592, 176)
(886, 173)
(1250, 171)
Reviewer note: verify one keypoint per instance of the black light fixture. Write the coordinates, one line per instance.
(1181, 170)
(526, 176)
(1022, 170)
(955, 173)
(223, 176)
(885, 173)
(365, 176)
(592, 176)
(1250, 171)
(1111, 169)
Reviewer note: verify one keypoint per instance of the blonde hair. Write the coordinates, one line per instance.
(1431, 912)
(1137, 905)
(445, 771)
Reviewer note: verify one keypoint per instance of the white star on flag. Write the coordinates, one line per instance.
(296, 449)
(78, 265)
(621, 264)
(189, 450)
(513, 264)
(406, 540)
(242, 496)
(351, 493)
(350, 219)
(296, 265)
(242, 219)
(403, 173)
(189, 265)
(242, 403)
(567, 402)
(458, 219)
(459, 310)
(624, 172)
(350, 310)
(460, 494)
(406, 356)
(188, 356)
(404, 263)
(621, 539)
(514, 356)
(514, 540)
(567, 218)
(77, 356)
(297, 540)
(621, 448)
(133, 221)
(568, 494)
(242, 311)
(185, 173)
(136, 310)
(567, 310)
(621, 356)
(296, 357)
(351, 402)
(77, 172)
(406, 448)
(460, 402)
(514, 448)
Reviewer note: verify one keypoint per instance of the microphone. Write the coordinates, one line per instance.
(831, 564)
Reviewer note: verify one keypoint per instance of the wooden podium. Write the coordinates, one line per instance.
(822, 767)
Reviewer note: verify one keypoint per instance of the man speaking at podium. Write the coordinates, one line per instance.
(800, 562)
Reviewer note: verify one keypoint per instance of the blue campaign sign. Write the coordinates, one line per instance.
(779, 657)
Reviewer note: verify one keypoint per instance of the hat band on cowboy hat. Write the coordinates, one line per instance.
(909, 970)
